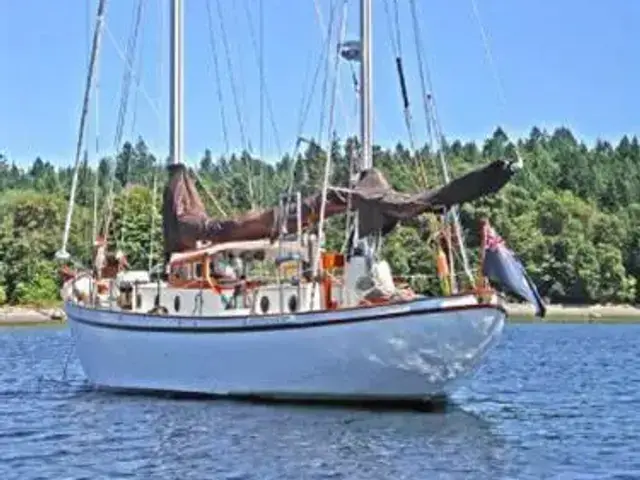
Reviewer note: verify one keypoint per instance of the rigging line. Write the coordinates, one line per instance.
(307, 84)
(397, 52)
(433, 123)
(492, 64)
(427, 95)
(227, 50)
(234, 92)
(138, 52)
(320, 21)
(396, 18)
(96, 187)
(156, 168)
(305, 108)
(63, 254)
(263, 80)
(136, 92)
(487, 51)
(207, 192)
(258, 49)
(162, 41)
(326, 73)
(87, 32)
(356, 97)
(125, 201)
(153, 217)
(403, 89)
(130, 66)
(427, 99)
(324, 57)
(408, 119)
(242, 84)
(326, 40)
(394, 45)
(127, 74)
(336, 57)
(262, 87)
(216, 70)
(328, 160)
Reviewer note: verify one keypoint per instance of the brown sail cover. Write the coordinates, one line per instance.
(379, 206)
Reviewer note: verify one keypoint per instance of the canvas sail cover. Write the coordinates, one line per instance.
(380, 207)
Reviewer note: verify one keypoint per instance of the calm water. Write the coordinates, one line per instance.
(554, 401)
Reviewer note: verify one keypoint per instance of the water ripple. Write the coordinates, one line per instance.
(554, 401)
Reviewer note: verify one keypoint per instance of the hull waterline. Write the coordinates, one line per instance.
(405, 352)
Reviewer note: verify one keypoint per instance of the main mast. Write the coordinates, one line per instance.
(366, 105)
(176, 130)
(365, 85)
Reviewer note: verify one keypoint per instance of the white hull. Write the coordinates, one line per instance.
(409, 351)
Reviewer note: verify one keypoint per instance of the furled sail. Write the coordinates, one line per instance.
(186, 220)
(381, 207)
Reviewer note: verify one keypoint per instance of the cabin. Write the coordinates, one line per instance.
(240, 278)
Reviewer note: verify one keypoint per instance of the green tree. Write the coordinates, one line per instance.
(571, 214)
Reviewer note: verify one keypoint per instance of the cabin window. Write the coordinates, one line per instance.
(182, 272)
(138, 301)
(176, 303)
(220, 268)
(198, 270)
(264, 304)
(293, 303)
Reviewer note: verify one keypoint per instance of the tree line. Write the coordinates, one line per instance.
(570, 214)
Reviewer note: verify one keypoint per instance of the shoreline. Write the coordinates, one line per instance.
(524, 313)
(31, 316)
(518, 313)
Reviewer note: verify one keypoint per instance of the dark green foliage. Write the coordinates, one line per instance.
(571, 214)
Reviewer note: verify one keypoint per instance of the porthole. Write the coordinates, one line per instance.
(138, 301)
(264, 304)
(293, 303)
(176, 303)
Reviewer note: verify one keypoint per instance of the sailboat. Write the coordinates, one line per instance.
(331, 326)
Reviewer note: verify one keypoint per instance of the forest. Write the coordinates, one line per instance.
(570, 214)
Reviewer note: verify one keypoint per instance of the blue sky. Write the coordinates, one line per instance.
(566, 62)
